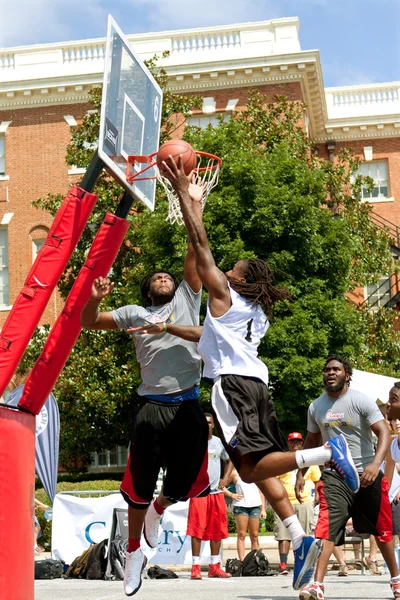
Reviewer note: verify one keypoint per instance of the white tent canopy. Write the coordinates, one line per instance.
(372, 385)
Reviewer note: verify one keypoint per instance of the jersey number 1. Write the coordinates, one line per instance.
(248, 335)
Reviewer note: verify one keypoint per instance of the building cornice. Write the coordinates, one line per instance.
(202, 60)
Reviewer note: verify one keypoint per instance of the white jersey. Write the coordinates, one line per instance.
(229, 344)
(250, 492)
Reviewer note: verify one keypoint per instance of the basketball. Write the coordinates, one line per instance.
(175, 148)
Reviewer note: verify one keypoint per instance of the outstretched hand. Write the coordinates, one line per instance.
(101, 288)
(148, 328)
(183, 184)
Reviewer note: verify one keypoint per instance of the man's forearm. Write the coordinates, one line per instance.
(89, 313)
(190, 333)
(193, 223)
(382, 447)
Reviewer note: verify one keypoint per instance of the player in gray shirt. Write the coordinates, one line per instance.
(170, 429)
(341, 410)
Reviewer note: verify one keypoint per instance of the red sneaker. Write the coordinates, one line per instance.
(395, 587)
(216, 571)
(196, 572)
(283, 570)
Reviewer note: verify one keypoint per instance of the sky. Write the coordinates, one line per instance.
(359, 40)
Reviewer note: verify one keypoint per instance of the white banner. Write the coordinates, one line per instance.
(79, 522)
(174, 546)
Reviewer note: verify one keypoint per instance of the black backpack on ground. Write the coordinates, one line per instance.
(97, 561)
(255, 564)
(234, 566)
(157, 572)
(91, 564)
(48, 568)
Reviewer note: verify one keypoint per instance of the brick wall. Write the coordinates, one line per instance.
(383, 149)
(35, 147)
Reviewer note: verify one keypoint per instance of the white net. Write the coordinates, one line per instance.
(207, 178)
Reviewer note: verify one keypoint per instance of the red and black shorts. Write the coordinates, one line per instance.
(207, 518)
(369, 509)
(245, 418)
(172, 436)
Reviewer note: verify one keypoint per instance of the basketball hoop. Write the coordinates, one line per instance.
(207, 174)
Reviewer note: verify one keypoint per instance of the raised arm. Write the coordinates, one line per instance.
(190, 273)
(91, 318)
(212, 278)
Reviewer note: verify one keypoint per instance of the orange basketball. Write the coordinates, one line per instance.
(175, 148)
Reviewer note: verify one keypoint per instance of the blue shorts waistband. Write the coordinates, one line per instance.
(192, 394)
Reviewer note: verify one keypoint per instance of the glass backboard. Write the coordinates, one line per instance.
(130, 114)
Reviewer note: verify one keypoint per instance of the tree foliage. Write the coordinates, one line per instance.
(274, 200)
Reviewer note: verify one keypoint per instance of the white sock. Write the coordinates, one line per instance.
(296, 531)
(395, 579)
(313, 456)
(215, 559)
(195, 560)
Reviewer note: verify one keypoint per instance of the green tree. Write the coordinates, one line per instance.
(273, 201)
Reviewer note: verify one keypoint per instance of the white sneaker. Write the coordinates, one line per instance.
(135, 562)
(151, 526)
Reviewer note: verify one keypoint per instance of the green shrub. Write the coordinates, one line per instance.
(68, 486)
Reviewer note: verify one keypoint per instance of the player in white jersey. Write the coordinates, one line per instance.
(235, 323)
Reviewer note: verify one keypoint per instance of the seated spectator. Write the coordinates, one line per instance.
(248, 506)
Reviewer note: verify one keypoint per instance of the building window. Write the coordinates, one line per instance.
(379, 294)
(4, 288)
(116, 457)
(2, 155)
(203, 121)
(36, 245)
(378, 171)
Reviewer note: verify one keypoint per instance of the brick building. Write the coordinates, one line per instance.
(44, 92)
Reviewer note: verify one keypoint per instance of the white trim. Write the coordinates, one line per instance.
(4, 308)
(227, 419)
(76, 171)
(71, 121)
(373, 200)
(368, 153)
(6, 218)
(4, 178)
(4, 126)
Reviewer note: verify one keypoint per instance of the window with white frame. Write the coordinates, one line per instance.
(36, 245)
(204, 121)
(378, 171)
(2, 155)
(378, 294)
(116, 457)
(4, 287)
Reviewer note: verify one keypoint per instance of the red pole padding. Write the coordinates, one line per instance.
(66, 329)
(30, 303)
(17, 488)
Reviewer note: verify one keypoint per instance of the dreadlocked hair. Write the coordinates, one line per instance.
(258, 286)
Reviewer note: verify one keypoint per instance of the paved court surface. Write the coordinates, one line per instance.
(279, 587)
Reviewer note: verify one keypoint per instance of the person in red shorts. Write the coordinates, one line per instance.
(207, 519)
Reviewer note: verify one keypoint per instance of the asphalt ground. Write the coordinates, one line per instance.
(277, 587)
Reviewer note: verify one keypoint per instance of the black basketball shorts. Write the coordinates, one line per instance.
(245, 418)
(172, 436)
